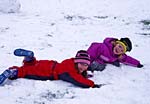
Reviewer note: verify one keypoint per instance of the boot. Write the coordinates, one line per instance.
(29, 55)
(8, 73)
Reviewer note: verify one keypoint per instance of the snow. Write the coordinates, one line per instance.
(57, 29)
(9, 6)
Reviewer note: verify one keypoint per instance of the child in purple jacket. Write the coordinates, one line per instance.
(111, 51)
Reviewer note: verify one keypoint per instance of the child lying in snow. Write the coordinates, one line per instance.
(73, 70)
(111, 51)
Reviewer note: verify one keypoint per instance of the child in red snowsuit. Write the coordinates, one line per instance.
(73, 70)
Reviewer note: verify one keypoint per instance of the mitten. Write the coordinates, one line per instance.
(116, 63)
(139, 65)
(97, 85)
(89, 75)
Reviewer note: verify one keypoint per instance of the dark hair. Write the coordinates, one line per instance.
(84, 73)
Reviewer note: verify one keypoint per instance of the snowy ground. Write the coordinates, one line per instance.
(57, 29)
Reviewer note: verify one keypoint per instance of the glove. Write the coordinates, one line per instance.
(97, 85)
(139, 65)
(89, 75)
(116, 63)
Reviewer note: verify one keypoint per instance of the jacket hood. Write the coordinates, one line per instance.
(108, 41)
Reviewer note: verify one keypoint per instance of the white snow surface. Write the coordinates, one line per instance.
(57, 29)
(9, 6)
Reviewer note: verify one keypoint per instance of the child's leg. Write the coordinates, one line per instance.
(16, 72)
(96, 67)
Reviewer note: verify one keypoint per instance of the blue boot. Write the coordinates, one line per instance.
(29, 55)
(8, 74)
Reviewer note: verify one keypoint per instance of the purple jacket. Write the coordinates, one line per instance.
(103, 53)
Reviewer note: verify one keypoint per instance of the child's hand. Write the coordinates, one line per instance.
(140, 65)
(97, 85)
(116, 63)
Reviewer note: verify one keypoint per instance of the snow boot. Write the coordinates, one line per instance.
(29, 55)
(8, 73)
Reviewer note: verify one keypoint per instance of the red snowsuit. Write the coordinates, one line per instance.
(52, 70)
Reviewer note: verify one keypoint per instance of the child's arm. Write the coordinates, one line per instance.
(76, 79)
(125, 59)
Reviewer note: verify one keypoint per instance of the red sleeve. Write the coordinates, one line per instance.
(69, 73)
(79, 78)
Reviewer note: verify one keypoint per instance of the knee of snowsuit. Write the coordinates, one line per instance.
(96, 67)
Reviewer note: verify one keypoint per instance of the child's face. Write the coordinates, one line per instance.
(82, 67)
(118, 49)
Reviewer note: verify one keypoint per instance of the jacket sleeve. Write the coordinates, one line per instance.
(129, 60)
(76, 79)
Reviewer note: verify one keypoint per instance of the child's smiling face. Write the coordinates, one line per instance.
(119, 49)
